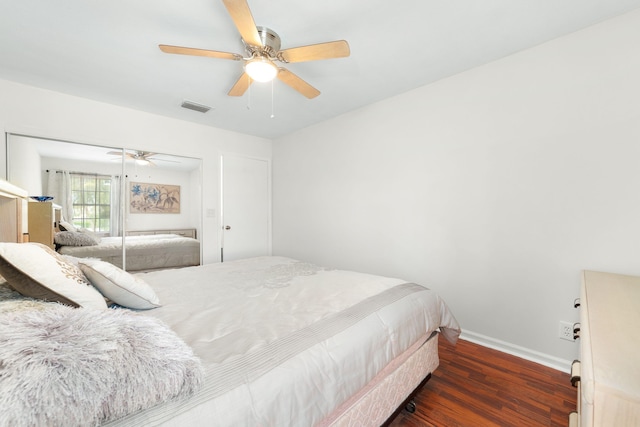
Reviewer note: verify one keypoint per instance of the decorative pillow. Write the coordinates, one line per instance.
(91, 234)
(35, 270)
(66, 226)
(74, 238)
(80, 367)
(76, 260)
(119, 286)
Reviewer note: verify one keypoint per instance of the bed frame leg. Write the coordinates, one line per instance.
(410, 407)
(409, 404)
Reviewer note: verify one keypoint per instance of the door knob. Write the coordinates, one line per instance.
(228, 227)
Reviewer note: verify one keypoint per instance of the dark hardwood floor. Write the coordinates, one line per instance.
(476, 386)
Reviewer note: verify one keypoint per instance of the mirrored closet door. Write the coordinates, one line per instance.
(135, 209)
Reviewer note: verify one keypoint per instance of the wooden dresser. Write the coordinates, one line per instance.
(609, 369)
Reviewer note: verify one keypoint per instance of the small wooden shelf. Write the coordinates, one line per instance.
(44, 218)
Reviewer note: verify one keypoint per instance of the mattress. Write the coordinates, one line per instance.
(145, 252)
(287, 343)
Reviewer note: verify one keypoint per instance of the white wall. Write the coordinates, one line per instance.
(31, 111)
(189, 191)
(54, 163)
(26, 174)
(141, 221)
(495, 187)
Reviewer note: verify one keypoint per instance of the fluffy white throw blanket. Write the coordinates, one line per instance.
(62, 366)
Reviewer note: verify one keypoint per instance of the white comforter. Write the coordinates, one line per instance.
(284, 343)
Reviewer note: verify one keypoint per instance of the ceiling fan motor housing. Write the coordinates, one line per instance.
(270, 43)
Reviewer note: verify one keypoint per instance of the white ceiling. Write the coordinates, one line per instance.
(108, 50)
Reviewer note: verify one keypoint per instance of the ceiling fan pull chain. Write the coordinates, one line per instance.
(249, 94)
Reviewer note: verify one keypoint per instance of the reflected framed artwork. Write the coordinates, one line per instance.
(154, 198)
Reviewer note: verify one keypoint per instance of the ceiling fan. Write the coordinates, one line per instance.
(140, 157)
(262, 46)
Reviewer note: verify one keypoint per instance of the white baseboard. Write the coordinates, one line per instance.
(515, 350)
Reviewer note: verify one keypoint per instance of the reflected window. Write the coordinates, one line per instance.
(91, 196)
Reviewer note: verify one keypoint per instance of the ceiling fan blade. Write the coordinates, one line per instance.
(241, 15)
(199, 52)
(119, 153)
(297, 83)
(336, 49)
(241, 85)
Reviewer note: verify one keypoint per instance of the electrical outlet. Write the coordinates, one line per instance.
(565, 331)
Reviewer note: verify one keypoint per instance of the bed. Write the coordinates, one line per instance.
(145, 252)
(278, 342)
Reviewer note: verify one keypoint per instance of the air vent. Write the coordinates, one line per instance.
(195, 107)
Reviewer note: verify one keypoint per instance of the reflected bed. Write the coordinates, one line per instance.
(147, 252)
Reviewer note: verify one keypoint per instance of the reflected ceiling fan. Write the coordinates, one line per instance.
(263, 49)
(141, 157)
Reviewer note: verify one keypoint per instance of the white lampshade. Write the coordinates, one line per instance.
(261, 69)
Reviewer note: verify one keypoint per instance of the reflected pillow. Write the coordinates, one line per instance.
(66, 226)
(36, 271)
(119, 286)
(90, 233)
(74, 238)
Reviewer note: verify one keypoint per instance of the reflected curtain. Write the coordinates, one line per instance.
(59, 186)
(115, 217)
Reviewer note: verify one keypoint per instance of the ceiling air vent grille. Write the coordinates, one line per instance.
(195, 107)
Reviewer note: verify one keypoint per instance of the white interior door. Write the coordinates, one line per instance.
(246, 207)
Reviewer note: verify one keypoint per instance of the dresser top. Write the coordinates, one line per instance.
(7, 189)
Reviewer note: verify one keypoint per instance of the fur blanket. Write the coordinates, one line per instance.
(63, 366)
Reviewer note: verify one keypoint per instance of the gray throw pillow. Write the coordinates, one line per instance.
(74, 238)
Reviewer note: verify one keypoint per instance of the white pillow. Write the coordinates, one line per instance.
(66, 226)
(119, 286)
(90, 234)
(35, 270)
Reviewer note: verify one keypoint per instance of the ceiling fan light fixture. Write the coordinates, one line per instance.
(261, 69)
(142, 162)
